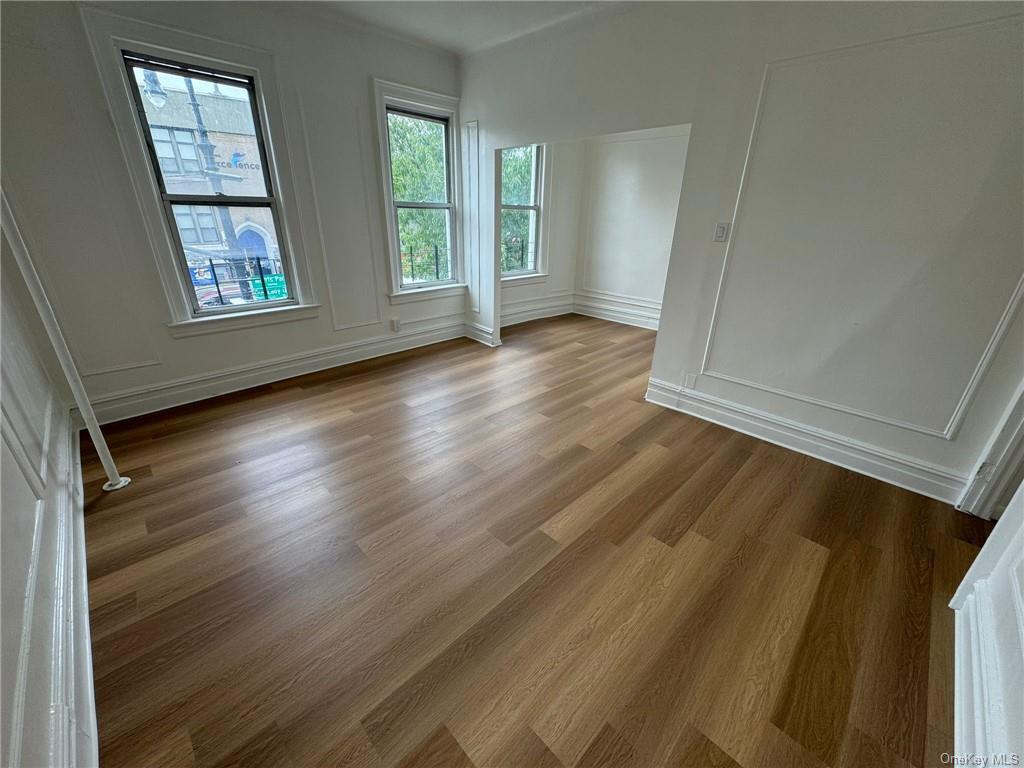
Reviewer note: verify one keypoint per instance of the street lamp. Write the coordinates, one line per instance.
(207, 149)
(151, 87)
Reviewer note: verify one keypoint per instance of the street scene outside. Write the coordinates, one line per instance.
(204, 138)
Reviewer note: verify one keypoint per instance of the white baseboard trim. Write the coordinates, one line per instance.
(628, 310)
(898, 469)
(147, 399)
(482, 334)
(998, 465)
(524, 310)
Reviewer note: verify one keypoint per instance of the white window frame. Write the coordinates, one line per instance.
(110, 36)
(415, 101)
(542, 190)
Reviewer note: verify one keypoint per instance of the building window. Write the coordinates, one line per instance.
(419, 152)
(175, 149)
(421, 196)
(207, 148)
(520, 208)
(196, 224)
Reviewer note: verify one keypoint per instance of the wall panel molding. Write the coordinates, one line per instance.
(947, 430)
(137, 401)
(899, 469)
(619, 308)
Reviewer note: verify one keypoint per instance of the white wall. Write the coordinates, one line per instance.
(532, 297)
(66, 176)
(607, 226)
(48, 716)
(917, 339)
(632, 198)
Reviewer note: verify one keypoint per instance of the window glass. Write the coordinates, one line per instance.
(213, 128)
(246, 260)
(520, 209)
(518, 246)
(517, 171)
(419, 167)
(424, 236)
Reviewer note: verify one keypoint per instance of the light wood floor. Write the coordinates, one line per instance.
(462, 556)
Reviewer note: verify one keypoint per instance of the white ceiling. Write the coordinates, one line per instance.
(463, 27)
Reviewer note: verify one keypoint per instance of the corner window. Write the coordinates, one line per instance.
(418, 151)
(206, 145)
(519, 234)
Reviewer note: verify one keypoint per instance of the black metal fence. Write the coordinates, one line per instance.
(234, 281)
(425, 265)
(516, 256)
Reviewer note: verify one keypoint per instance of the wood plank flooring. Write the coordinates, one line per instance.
(469, 557)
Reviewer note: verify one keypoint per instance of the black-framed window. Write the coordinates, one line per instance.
(421, 189)
(206, 143)
(521, 173)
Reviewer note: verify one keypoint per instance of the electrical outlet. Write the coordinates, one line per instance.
(690, 381)
(721, 232)
(396, 324)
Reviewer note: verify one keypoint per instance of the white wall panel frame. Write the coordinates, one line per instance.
(948, 430)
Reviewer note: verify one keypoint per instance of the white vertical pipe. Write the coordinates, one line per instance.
(60, 347)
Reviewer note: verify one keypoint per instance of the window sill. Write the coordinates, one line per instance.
(527, 278)
(198, 326)
(431, 292)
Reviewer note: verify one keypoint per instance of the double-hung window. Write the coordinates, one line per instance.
(421, 195)
(207, 147)
(521, 174)
(419, 152)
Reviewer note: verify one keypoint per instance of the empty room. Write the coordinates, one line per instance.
(512, 384)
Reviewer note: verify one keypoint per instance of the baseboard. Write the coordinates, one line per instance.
(628, 310)
(921, 477)
(141, 400)
(524, 310)
(481, 333)
(999, 462)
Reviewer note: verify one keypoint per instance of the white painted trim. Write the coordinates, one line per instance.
(372, 253)
(107, 33)
(922, 477)
(1002, 455)
(534, 308)
(84, 695)
(48, 319)
(949, 430)
(136, 401)
(87, 372)
(524, 278)
(676, 131)
(619, 308)
(200, 326)
(989, 646)
(387, 94)
(62, 652)
(430, 292)
(471, 207)
(482, 334)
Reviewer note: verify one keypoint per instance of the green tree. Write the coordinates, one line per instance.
(517, 226)
(419, 175)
